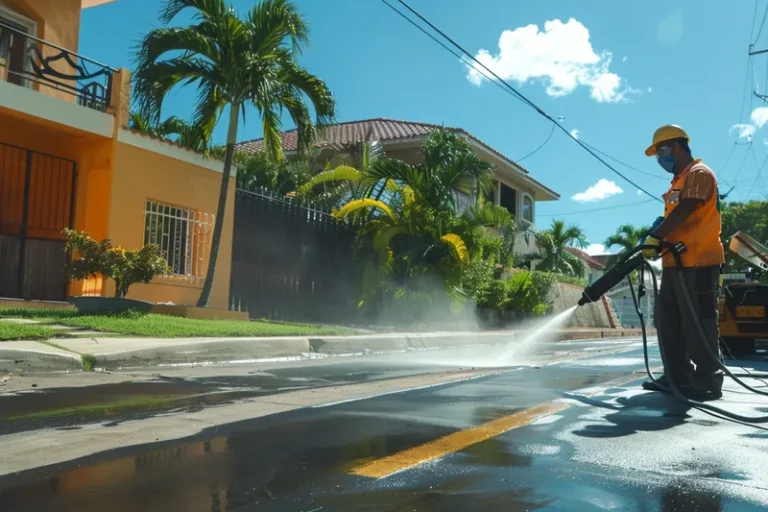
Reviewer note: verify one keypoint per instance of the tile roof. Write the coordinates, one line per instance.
(369, 129)
(339, 135)
(592, 262)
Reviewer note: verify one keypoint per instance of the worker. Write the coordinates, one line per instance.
(691, 216)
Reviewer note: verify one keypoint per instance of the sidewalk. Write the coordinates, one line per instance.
(68, 354)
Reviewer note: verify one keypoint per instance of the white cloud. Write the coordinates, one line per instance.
(640, 192)
(596, 250)
(758, 118)
(575, 133)
(601, 190)
(561, 56)
(743, 131)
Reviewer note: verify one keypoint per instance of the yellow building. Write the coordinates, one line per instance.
(68, 159)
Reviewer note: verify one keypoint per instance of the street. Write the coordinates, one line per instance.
(564, 426)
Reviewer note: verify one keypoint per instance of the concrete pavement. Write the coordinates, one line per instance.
(61, 354)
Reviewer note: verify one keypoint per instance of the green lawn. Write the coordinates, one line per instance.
(158, 326)
(12, 331)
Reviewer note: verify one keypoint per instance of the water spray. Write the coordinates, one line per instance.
(635, 261)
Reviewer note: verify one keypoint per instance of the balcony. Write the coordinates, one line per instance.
(32, 63)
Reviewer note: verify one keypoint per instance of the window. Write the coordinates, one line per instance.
(527, 208)
(508, 199)
(183, 235)
(13, 45)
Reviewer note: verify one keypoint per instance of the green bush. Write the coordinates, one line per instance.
(496, 295)
(476, 279)
(577, 281)
(92, 258)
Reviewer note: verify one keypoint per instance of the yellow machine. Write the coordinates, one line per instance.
(743, 302)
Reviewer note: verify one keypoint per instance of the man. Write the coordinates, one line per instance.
(691, 216)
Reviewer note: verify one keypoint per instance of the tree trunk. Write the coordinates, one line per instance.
(218, 227)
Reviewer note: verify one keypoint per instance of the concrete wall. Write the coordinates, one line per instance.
(140, 175)
(565, 296)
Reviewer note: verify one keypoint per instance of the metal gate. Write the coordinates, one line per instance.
(37, 196)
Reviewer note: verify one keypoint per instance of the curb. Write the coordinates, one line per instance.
(206, 350)
(37, 361)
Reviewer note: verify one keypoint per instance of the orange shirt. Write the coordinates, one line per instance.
(701, 230)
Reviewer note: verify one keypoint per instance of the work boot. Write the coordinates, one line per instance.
(662, 386)
(704, 387)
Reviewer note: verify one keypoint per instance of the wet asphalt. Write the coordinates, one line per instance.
(621, 449)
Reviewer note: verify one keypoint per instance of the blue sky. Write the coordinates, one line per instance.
(629, 70)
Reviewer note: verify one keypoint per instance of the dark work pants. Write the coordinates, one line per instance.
(682, 342)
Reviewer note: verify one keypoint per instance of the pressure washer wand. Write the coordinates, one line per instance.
(613, 277)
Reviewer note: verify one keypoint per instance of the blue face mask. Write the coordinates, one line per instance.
(668, 163)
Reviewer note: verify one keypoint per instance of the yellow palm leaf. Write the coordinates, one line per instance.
(457, 244)
(361, 204)
(340, 173)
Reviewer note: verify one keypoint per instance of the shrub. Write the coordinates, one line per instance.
(576, 281)
(476, 279)
(91, 258)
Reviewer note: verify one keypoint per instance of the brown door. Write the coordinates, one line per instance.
(36, 203)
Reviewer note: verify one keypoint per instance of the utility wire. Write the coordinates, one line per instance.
(762, 24)
(540, 146)
(523, 98)
(446, 48)
(757, 178)
(606, 155)
(615, 207)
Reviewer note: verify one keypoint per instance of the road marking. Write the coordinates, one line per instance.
(462, 439)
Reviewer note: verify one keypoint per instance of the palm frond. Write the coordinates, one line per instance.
(340, 173)
(457, 245)
(361, 204)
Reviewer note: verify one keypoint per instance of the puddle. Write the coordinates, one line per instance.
(113, 403)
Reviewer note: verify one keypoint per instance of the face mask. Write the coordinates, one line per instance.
(668, 163)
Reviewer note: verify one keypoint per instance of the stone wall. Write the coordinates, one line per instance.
(564, 296)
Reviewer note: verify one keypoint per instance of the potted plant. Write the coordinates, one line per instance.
(91, 258)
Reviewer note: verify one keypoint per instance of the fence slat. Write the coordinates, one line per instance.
(292, 263)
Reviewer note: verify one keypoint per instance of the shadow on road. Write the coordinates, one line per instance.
(646, 412)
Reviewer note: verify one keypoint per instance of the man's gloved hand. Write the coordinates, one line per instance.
(652, 253)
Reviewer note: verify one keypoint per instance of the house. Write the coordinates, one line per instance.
(514, 187)
(68, 159)
(595, 269)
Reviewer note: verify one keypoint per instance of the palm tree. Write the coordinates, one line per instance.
(409, 224)
(552, 243)
(177, 130)
(235, 62)
(627, 237)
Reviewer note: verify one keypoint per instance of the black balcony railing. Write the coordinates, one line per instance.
(28, 61)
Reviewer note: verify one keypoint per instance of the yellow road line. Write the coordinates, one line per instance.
(457, 441)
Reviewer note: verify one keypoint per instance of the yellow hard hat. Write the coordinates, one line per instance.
(665, 133)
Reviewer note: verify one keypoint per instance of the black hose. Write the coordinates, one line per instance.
(672, 385)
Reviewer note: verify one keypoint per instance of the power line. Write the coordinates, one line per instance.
(523, 98)
(606, 155)
(757, 178)
(540, 146)
(762, 23)
(615, 207)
